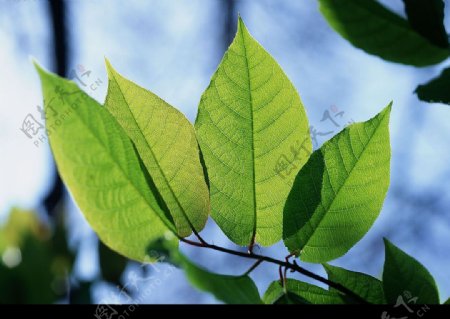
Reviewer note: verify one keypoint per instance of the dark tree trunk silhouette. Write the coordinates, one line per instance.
(57, 11)
(230, 20)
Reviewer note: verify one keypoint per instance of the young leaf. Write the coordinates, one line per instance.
(229, 289)
(427, 18)
(250, 123)
(297, 292)
(339, 192)
(437, 90)
(102, 170)
(365, 286)
(167, 144)
(371, 27)
(403, 274)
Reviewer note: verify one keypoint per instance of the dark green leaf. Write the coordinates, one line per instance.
(32, 268)
(437, 90)
(373, 28)
(365, 286)
(427, 18)
(229, 289)
(80, 293)
(403, 274)
(112, 265)
(297, 292)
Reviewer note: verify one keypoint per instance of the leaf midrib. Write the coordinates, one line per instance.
(252, 139)
(153, 155)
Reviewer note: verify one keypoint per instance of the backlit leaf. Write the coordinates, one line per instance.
(339, 192)
(254, 136)
(168, 147)
(102, 170)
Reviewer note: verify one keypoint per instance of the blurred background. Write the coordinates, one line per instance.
(49, 253)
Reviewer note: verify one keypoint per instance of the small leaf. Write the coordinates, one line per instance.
(297, 292)
(437, 90)
(447, 302)
(427, 18)
(112, 265)
(339, 192)
(403, 274)
(167, 144)
(229, 289)
(102, 170)
(365, 286)
(250, 123)
(371, 27)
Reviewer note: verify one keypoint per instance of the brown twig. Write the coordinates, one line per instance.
(292, 266)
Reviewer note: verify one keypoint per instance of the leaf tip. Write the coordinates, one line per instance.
(328, 268)
(388, 108)
(241, 24)
(40, 70)
(109, 67)
(387, 243)
(386, 112)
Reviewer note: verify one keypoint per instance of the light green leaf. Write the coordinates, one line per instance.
(365, 286)
(403, 274)
(297, 292)
(250, 122)
(167, 144)
(226, 288)
(102, 170)
(373, 28)
(437, 90)
(339, 192)
(20, 223)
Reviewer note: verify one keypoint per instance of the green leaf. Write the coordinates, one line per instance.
(427, 18)
(229, 289)
(112, 265)
(20, 223)
(447, 302)
(339, 192)
(373, 28)
(34, 265)
(437, 90)
(297, 292)
(250, 122)
(168, 147)
(80, 293)
(365, 286)
(102, 170)
(404, 274)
